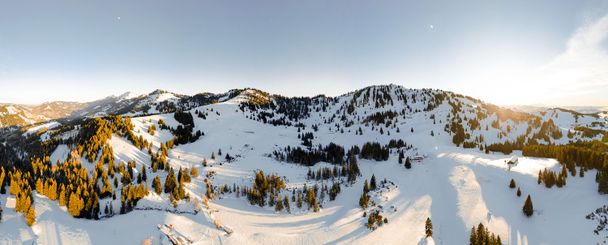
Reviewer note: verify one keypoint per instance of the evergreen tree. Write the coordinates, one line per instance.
(512, 184)
(30, 216)
(299, 202)
(62, 197)
(428, 227)
(170, 182)
(364, 200)
(528, 208)
(75, 204)
(144, 176)
(473, 237)
(482, 236)
(157, 185)
(518, 192)
(372, 183)
(408, 163)
(286, 204)
(279, 205)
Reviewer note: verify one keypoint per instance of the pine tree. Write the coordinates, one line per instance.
(372, 183)
(279, 205)
(473, 237)
(157, 185)
(408, 163)
(428, 227)
(299, 201)
(365, 187)
(528, 208)
(2, 178)
(39, 186)
(286, 204)
(364, 200)
(75, 205)
(62, 199)
(512, 184)
(518, 192)
(170, 182)
(144, 176)
(482, 236)
(30, 216)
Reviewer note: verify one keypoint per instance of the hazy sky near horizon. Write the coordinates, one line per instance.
(550, 52)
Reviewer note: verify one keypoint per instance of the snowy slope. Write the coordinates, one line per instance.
(457, 188)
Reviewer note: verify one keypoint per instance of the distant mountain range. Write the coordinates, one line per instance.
(159, 101)
(155, 102)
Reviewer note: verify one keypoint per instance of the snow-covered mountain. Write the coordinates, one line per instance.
(299, 170)
(126, 104)
(20, 115)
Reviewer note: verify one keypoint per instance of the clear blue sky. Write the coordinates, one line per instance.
(505, 52)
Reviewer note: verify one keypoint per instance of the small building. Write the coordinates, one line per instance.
(512, 162)
(417, 158)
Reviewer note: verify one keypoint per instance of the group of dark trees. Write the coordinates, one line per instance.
(512, 185)
(175, 186)
(350, 170)
(262, 187)
(585, 155)
(551, 178)
(183, 133)
(283, 111)
(374, 151)
(20, 187)
(306, 139)
(271, 190)
(364, 199)
(95, 132)
(482, 236)
(407, 163)
(72, 186)
(67, 182)
(528, 209)
(375, 220)
(130, 194)
(331, 153)
(381, 118)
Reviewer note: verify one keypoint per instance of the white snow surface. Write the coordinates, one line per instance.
(457, 188)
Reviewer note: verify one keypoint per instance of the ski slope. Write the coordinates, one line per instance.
(457, 188)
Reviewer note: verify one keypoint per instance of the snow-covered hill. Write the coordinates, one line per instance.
(458, 176)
